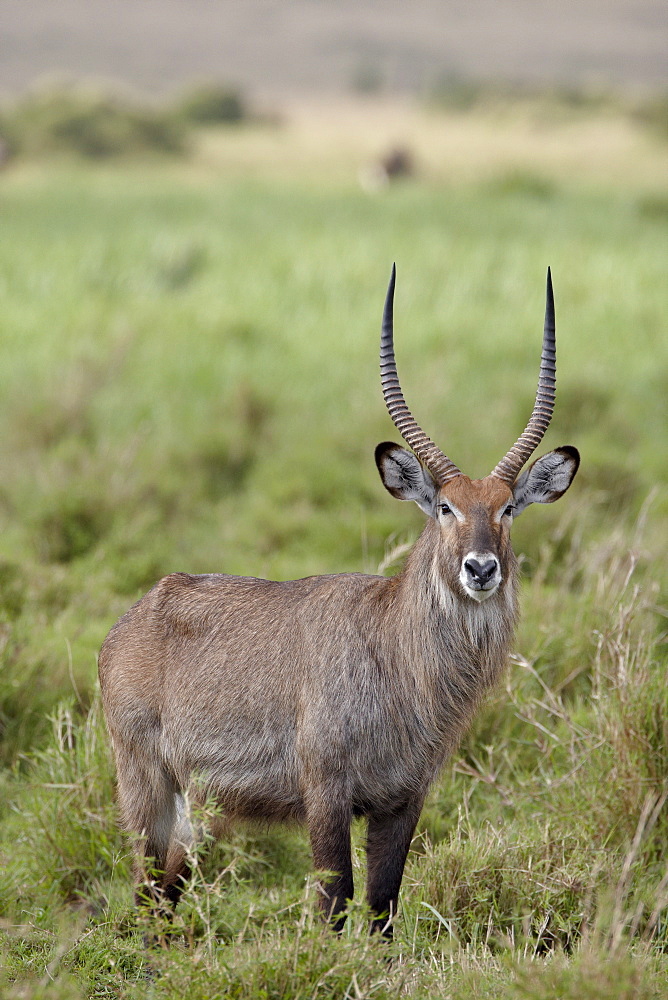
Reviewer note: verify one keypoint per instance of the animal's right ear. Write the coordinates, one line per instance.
(404, 477)
(547, 479)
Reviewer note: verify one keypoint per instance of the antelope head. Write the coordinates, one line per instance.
(473, 516)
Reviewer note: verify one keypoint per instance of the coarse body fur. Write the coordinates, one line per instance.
(313, 700)
(321, 699)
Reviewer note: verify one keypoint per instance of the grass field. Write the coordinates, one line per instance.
(189, 381)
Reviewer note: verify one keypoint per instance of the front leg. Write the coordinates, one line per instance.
(329, 815)
(388, 840)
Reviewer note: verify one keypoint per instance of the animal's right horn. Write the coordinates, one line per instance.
(509, 467)
(440, 466)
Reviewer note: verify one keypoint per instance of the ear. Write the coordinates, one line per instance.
(404, 477)
(547, 479)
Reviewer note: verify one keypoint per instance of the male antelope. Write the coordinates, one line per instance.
(334, 696)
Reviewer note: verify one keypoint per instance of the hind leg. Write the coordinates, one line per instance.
(182, 842)
(147, 800)
(328, 819)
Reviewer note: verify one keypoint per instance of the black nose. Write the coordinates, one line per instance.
(481, 573)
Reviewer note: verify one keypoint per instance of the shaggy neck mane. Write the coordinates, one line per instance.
(455, 648)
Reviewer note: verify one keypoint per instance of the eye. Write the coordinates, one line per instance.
(508, 512)
(444, 508)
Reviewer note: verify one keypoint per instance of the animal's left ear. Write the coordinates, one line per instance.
(404, 477)
(547, 479)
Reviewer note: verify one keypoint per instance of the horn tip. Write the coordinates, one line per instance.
(549, 294)
(390, 292)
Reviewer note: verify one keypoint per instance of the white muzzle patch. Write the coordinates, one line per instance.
(480, 575)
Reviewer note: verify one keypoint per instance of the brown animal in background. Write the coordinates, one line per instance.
(322, 699)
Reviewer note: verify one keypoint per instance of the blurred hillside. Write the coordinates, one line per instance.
(332, 46)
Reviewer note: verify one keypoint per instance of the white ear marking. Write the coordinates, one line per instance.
(404, 477)
(547, 479)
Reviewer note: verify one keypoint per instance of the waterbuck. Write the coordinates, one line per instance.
(322, 699)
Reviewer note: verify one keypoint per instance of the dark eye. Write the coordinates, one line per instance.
(508, 512)
(445, 509)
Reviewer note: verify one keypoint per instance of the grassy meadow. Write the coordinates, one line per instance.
(189, 381)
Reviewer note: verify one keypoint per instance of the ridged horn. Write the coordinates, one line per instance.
(509, 467)
(438, 464)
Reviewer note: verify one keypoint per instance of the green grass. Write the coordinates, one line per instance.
(189, 381)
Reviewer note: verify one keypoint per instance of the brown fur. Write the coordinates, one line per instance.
(321, 699)
(311, 700)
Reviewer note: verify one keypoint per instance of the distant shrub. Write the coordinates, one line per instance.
(454, 92)
(652, 112)
(70, 529)
(211, 104)
(176, 266)
(524, 184)
(12, 590)
(653, 206)
(82, 121)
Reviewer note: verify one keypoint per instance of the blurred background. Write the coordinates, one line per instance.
(200, 203)
(277, 48)
(103, 79)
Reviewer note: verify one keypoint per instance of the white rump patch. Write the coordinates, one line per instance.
(184, 833)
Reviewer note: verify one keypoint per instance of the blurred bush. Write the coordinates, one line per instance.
(454, 92)
(652, 111)
(211, 104)
(80, 120)
(77, 119)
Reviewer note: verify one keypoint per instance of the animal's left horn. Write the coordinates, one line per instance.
(440, 466)
(509, 467)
